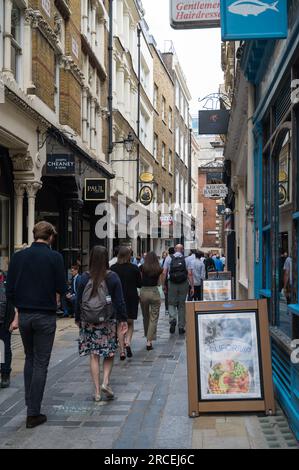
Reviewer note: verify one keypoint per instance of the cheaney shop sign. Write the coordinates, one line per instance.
(201, 14)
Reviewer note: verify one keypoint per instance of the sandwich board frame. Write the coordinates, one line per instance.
(258, 309)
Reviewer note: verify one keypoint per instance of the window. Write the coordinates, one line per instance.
(56, 86)
(163, 109)
(163, 154)
(170, 201)
(163, 196)
(177, 94)
(170, 118)
(16, 41)
(155, 149)
(182, 149)
(177, 187)
(156, 94)
(177, 140)
(170, 161)
(46, 4)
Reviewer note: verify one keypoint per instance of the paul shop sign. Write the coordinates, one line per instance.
(95, 189)
(253, 19)
(185, 14)
(60, 165)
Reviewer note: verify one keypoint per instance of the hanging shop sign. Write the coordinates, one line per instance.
(253, 19)
(146, 195)
(166, 220)
(217, 290)
(60, 165)
(146, 177)
(229, 357)
(215, 191)
(186, 14)
(95, 189)
(222, 275)
(214, 178)
(213, 122)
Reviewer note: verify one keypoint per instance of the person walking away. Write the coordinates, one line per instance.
(223, 261)
(8, 323)
(36, 277)
(218, 264)
(199, 275)
(171, 252)
(210, 265)
(71, 296)
(175, 267)
(100, 310)
(115, 255)
(130, 278)
(150, 297)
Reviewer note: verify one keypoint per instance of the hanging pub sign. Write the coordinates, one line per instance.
(214, 178)
(213, 122)
(60, 165)
(146, 195)
(215, 191)
(186, 14)
(95, 189)
(146, 177)
(253, 19)
(229, 357)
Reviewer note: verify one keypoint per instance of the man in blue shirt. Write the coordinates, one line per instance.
(218, 264)
(35, 280)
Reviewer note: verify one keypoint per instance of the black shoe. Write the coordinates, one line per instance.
(181, 331)
(172, 328)
(129, 351)
(150, 347)
(5, 381)
(33, 421)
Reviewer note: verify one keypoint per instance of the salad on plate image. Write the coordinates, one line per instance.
(229, 377)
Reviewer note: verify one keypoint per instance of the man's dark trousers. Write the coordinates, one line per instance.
(5, 336)
(38, 333)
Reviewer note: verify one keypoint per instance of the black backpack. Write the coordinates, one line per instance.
(178, 271)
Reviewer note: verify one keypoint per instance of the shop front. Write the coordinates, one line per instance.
(65, 201)
(276, 127)
(6, 209)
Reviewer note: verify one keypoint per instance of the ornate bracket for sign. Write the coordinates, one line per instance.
(216, 98)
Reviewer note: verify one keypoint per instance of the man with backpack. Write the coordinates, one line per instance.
(179, 275)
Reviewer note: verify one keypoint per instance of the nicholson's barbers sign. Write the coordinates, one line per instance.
(185, 14)
(95, 189)
(215, 191)
(61, 165)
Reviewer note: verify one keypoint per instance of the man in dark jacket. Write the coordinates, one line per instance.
(36, 277)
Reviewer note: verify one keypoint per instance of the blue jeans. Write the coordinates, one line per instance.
(5, 336)
(38, 333)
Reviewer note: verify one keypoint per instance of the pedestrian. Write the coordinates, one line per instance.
(36, 277)
(288, 279)
(69, 302)
(199, 275)
(210, 265)
(170, 253)
(218, 264)
(8, 323)
(130, 278)
(115, 255)
(100, 315)
(175, 269)
(223, 260)
(163, 258)
(150, 297)
(133, 259)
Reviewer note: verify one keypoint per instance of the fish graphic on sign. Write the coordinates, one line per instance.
(251, 7)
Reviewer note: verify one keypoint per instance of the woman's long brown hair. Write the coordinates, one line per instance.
(151, 266)
(98, 266)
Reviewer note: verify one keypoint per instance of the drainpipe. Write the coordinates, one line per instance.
(110, 92)
(138, 110)
(250, 191)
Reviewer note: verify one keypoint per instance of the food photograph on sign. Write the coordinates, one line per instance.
(229, 357)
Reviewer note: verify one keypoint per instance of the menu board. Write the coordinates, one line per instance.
(228, 356)
(217, 290)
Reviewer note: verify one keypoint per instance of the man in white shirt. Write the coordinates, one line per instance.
(115, 255)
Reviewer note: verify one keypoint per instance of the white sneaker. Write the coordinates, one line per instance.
(97, 398)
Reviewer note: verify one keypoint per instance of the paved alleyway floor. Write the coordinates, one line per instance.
(150, 409)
